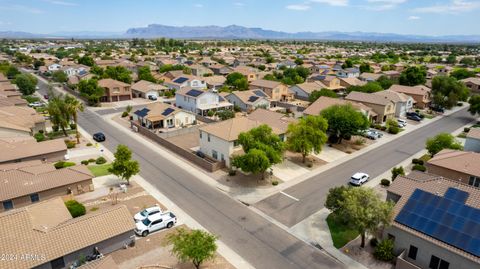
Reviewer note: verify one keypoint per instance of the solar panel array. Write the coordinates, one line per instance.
(142, 112)
(260, 93)
(194, 93)
(168, 111)
(180, 80)
(445, 218)
(253, 98)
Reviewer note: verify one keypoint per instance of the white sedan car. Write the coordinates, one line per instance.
(359, 178)
(140, 216)
(154, 223)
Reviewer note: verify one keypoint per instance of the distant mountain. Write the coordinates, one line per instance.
(240, 32)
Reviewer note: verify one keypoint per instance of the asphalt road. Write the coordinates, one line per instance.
(311, 193)
(258, 241)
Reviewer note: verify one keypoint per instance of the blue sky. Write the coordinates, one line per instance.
(426, 17)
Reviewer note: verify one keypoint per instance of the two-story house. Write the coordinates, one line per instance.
(186, 81)
(420, 94)
(348, 73)
(473, 84)
(463, 166)
(200, 101)
(403, 102)
(383, 107)
(276, 91)
(303, 91)
(114, 90)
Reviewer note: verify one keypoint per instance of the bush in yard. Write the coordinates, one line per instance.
(384, 250)
(92, 160)
(397, 171)
(385, 182)
(274, 183)
(73, 126)
(89, 144)
(76, 209)
(55, 128)
(39, 137)
(84, 162)
(383, 128)
(100, 160)
(70, 144)
(417, 161)
(62, 164)
(393, 130)
(419, 167)
(466, 130)
(124, 114)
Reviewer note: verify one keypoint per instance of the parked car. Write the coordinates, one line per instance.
(99, 137)
(147, 212)
(152, 97)
(154, 223)
(401, 123)
(414, 117)
(373, 134)
(359, 178)
(438, 109)
(415, 114)
(36, 104)
(45, 96)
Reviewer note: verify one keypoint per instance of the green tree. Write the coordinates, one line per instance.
(196, 246)
(385, 82)
(462, 73)
(38, 63)
(73, 106)
(474, 102)
(323, 92)
(370, 87)
(452, 59)
(397, 171)
(119, 73)
(59, 114)
(344, 121)
(90, 90)
(86, 60)
(468, 61)
(348, 64)
(26, 83)
(123, 166)
(335, 198)
(447, 91)
(363, 210)
(225, 114)
(442, 141)
(59, 76)
(12, 72)
(144, 73)
(365, 68)
(237, 81)
(413, 76)
(298, 61)
(307, 135)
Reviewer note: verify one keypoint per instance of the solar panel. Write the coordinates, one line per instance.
(142, 112)
(259, 93)
(194, 93)
(446, 218)
(180, 80)
(168, 111)
(253, 98)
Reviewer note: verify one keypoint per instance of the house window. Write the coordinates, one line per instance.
(184, 98)
(474, 181)
(200, 134)
(57, 263)
(34, 197)
(437, 263)
(7, 205)
(208, 138)
(223, 157)
(214, 154)
(412, 252)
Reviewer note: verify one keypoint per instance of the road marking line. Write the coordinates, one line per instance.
(289, 196)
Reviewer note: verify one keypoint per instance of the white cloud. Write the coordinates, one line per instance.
(454, 7)
(413, 18)
(21, 8)
(298, 7)
(342, 3)
(380, 5)
(198, 5)
(61, 3)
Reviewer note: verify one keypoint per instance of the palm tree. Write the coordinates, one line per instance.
(73, 105)
(58, 114)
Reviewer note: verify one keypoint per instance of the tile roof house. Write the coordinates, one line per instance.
(303, 91)
(248, 100)
(421, 94)
(200, 70)
(24, 183)
(436, 222)
(48, 231)
(106, 262)
(473, 84)
(368, 77)
(200, 102)
(19, 150)
(277, 91)
(403, 102)
(249, 72)
(20, 121)
(383, 107)
(163, 116)
(183, 81)
(325, 102)
(144, 89)
(351, 81)
(463, 166)
(115, 90)
(472, 141)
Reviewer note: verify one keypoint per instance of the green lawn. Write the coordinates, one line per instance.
(100, 170)
(341, 234)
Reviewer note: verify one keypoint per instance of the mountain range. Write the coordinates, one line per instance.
(240, 32)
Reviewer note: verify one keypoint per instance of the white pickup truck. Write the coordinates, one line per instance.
(154, 223)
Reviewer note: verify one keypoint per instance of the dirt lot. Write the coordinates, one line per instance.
(311, 161)
(186, 141)
(244, 181)
(350, 146)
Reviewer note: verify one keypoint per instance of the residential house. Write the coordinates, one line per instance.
(368, 77)
(392, 74)
(348, 73)
(220, 69)
(403, 102)
(105, 262)
(286, 64)
(248, 100)
(277, 91)
(207, 62)
(435, 222)
(200, 102)
(324, 102)
(75, 70)
(200, 70)
(215, 82)
(52, 239)
(472, 141)
(30, 182)
(473, 84)
(351, 81)
(54, 67)
(420, 94)
(186, 81)
(383, 107)
(16, 121)
(163, 116)
(249, 72)
(115, 90)
(144, 89)
(463, 166)
(26, 149)
(303, 91)
(332, 82)
(171, 75)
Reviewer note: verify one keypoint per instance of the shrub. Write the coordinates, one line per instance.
(62, 164)
(359, 142)
(84, 162)
(383, 128)
(466, 130)
(91, 160)
(100, 160)
(384, 250)
(419, 167)
(55, 128)
(374, 242)
(210, 113)
(39, 137)
(124, 114)
(89, 144)
(232, 173)
(417, 161)
(394, 130)
(397, 171)
(73, 126)
(309, 165)
(76, 209)
(274, 183)
(70, 144)
(385, 182)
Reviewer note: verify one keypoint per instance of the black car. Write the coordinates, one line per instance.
(415, 114)
(437, 109)
(99, 137)
(414, 117)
